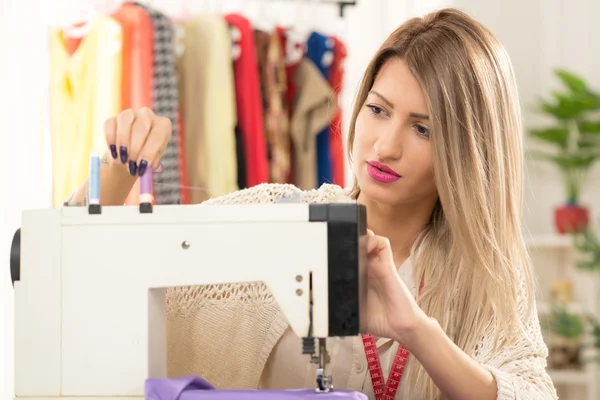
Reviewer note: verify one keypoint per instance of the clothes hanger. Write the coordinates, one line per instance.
(287, 15)
(184, 11)
(111, 6)
(236, 37)
(296, 36)
(339, 28)
(82, 23)
(260, 20)
(182, 15)
(326, 28)
(270, 20)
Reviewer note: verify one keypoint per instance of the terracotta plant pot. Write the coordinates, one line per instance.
(571, 218)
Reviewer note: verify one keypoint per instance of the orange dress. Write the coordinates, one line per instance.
(138, 37)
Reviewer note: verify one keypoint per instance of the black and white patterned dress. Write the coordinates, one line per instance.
(165, 99)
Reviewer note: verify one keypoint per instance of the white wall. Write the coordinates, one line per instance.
(21, 179)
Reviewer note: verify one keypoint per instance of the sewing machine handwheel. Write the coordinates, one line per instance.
(15, 257)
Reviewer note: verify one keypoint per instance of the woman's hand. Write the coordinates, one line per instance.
(392, 312)
(137, 138)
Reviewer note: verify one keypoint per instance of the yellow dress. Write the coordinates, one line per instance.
(85, 91)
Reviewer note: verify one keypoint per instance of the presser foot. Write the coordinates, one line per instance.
(324, 382)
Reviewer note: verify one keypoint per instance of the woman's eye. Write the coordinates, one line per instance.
(376, 110)
(422, 130)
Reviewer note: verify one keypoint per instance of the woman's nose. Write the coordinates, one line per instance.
(388, 147)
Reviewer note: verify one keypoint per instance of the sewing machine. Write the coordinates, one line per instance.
(90, 284)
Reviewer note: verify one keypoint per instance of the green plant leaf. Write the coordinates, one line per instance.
(566, 324)
(586, 144)
(595, 331)
(588, 246)
(589, 135)
(561, 110)
(575, 83)
(568, 161)
(568, 106)
(586, 102)
(558, 136)
(589, 126)
(576, 139)
(579, 90)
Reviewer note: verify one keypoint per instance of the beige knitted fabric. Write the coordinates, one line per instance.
(225, 333)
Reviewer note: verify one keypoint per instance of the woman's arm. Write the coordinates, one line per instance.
(516, 372)
(457, 375)
(115, 184)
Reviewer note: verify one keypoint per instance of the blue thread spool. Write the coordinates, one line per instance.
(94, 180)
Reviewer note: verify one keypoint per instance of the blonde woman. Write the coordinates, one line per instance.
(436, 143)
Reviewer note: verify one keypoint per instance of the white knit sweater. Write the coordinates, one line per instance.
(225, 333)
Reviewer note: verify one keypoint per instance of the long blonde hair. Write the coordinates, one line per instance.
(472, 257)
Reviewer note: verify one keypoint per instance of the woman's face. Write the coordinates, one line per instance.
(392, 151)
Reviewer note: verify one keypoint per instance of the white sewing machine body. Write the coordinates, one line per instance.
(90, 288)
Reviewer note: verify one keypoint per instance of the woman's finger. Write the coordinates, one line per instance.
(379, 246)
(371, 243)
(110, 133)
(125, 121)
(140, 130)
(155, 144)
(374, 243)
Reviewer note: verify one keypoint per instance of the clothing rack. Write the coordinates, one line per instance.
(342, 4)
(292, 70)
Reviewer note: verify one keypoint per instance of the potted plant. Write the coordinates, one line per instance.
(574, 143)
(565, 344)
(588, 247)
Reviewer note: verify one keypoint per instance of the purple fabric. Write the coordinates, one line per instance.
(196, 388)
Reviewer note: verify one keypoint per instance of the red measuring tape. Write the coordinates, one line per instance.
(384, 390)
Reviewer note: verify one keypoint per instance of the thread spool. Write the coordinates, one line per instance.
(94, 181)
(93, 197)
(146, 187)
(146, 198)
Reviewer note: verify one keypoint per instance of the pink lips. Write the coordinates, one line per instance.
(381, 172)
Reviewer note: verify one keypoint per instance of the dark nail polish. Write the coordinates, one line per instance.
(123, 154)
(113, 151)
(132, 167)
(142, 168)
